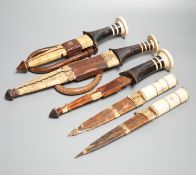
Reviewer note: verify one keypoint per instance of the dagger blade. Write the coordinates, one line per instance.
(123, 129)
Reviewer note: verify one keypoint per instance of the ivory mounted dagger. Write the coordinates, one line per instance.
(85, 45)
(132, 76)
(139, 119)
(84, 69)
(127, 104)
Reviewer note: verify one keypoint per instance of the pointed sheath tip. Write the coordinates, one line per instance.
(79, 155)
(10, 94)
(74, 132)
(22, 67)
(55, 113)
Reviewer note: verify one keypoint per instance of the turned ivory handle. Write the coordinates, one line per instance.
(169, 102)
(158, 87)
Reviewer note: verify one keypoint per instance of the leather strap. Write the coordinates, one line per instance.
(80, 90)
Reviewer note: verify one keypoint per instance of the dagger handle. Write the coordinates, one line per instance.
(158, 87)
(162, 61)
(120, 27)
(157, 109)
(169, 102)
(126, 52)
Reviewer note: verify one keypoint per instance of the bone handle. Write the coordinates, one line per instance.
(169, 102)
(158, 87)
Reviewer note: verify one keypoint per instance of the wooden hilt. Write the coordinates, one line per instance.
(163, 60)
(151, 45)
(166, 104)
(119, 28)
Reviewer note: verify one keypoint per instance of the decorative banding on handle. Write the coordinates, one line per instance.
(162, 61)
(124, 27)
(169, 102)
(151, 45)
(79, 90)
(152, 39)
(167, 58)
(119, 28)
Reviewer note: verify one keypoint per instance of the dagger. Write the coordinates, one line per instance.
(127, 104)
(139, 119)
(88, 52)
(163, 60)
(74, 46)
(83, 69)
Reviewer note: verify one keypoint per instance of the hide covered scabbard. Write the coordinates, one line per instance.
(127, 104)
(74, 49)
(139, 119)
(84, 69)
(163, 60)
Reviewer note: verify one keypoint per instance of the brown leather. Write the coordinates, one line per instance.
(79, 90)
(45, 69)
(123, 106)
(114, 86)
(136, 121)
(72, 47)
(89, 67)
(39, 51)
